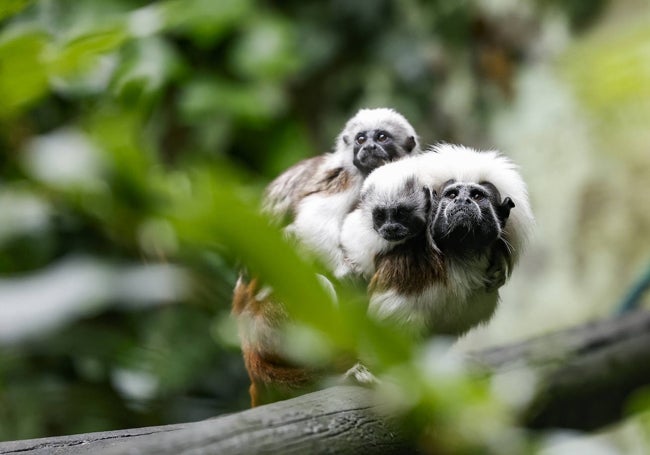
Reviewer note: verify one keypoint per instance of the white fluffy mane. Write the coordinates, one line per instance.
(444, 162)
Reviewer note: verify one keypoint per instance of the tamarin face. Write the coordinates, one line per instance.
(374, 148)
(403, 216)
(375, 137)
(469, 216)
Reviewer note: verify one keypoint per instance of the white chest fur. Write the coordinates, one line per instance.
(318, 223)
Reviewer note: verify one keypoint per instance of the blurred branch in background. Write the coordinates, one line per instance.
(77, 287)
(632, 300)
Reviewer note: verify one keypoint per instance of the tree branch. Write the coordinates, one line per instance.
(589, 373)
(341, 420)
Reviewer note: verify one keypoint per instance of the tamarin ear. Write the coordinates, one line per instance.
(409, 145)
(346, 140)
(427, 197)
(503, 210)
(431, 199)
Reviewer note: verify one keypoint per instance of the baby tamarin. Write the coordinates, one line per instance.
(315, 195)
(441, 276)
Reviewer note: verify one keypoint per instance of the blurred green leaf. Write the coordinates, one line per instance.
(11, 7)
(205, 20)
(288, 145)
(611, 69)
(79, 54)
(219, 98)
(148, 65)
(213, 214)
(23, 72)
(266, 50)
(118, 132)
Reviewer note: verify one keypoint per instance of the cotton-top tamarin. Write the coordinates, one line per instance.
(314, 195)
(440, 276)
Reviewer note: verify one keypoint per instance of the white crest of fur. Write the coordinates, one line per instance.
(388, 182)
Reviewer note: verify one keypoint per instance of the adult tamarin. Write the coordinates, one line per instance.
(315, 195)
(442, 275)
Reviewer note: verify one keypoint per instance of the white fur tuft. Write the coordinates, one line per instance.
(360, 244)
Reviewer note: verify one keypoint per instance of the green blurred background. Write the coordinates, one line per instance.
(137, 137)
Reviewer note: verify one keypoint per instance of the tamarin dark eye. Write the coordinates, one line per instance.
(451, 194)
(401, 213)
(382, 137)
(476, 195)
(361, 138)
(379, 215)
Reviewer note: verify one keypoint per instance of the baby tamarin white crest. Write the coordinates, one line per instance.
(441, 276)
(316, 194)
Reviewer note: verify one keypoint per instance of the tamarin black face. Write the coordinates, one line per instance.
(376, 147)
(469, 217)
(405, 215)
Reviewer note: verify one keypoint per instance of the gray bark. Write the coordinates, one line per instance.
(338, 420)
(589, 372)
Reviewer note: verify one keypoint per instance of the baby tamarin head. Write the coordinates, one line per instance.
(370, 139)
(393, 209)
(374, 137)
(401, 216)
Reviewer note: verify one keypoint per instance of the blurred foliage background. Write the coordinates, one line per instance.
(137, 137)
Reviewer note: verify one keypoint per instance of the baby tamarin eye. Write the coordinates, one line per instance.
(401, 213)
(379, 215)
(382, 136)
